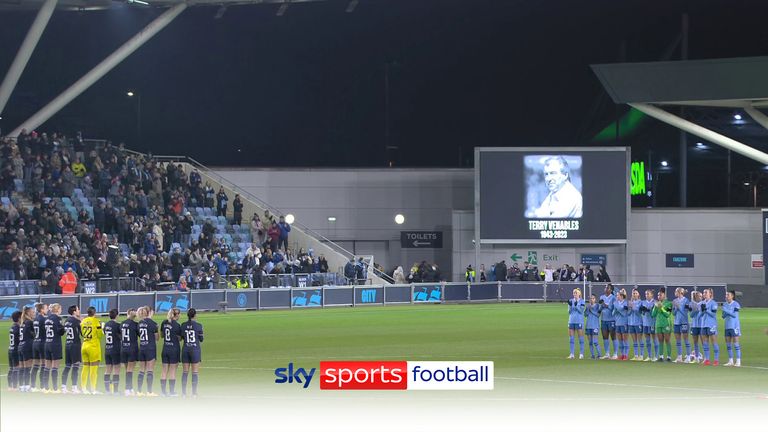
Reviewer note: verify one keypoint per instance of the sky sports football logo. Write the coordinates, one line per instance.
(392, 375)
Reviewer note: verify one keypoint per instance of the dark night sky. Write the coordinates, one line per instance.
(307, 88)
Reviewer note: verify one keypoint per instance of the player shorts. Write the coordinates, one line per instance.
(635, 329)
(695, 331)
(91, 354)
(663, 330)
(129, 356)
(13, 358)
(72, 355)
(575, 326)
(25, 352)
(732, 332)
(171, 356)
(623, 329)
(608, 325)
(147, 355)
(112, 358)
(681, 328)
(649, 330)
(709, 331)
(38, 351)
(191, 356)
(593, 331)
(52, 352)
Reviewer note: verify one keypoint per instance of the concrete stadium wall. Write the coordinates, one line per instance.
(364, 203)
(721, 239)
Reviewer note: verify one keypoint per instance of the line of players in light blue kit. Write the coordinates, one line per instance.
(650, 322)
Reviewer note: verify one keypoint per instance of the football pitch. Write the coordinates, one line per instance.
(528, 344)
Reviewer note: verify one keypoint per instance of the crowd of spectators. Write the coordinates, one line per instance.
(530, 273)
(419, 272)
(104, 211)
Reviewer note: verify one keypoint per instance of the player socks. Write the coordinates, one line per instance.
(162, 386)
(605, 347)
(706, 350)
(194, 383)
(729, 348)
(12, 378)
(669, 349)
(150, 380)
(642, 347)
(33, 375)
(44, 376)
(679, 345)
(656, 347)
(581, 345)
(597, 348)
(140, 381)
(94, 377)
(717, 351)
(65, 376)
(115, 382)
(737, 348)
(687, 348)
(107, 382)
(696, 351)
(55, 378)
(128, 380)
(615, 347)
(172, 386)
(635, 346)
(84, 377)
(184, 376)
(570, 343)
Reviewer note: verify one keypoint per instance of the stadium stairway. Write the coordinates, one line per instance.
(300, 237)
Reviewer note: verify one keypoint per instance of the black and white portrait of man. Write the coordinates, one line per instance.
(553, 186)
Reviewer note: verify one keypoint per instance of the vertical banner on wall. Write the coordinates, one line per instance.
(764, 228)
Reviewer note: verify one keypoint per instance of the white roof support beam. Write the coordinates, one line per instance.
(25, 51)
(100, 70)
(757, 115)
(702, 132)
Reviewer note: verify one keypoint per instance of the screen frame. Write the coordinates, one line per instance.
(627, 198)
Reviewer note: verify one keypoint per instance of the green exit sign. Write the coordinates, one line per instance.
(637, 178)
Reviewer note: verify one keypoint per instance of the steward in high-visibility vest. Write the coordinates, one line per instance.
(68, 282)
(469, 275)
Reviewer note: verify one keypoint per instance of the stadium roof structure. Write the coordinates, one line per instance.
(736, 83)
(173, 8)
(89, 5)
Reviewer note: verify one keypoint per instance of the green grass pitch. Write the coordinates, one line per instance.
(527, 342)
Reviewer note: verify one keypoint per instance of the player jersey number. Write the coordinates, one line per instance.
(12, 341)
(108, 337)
(126, 335)
(37, 332)
(190, 336)
(70, 333)
(143, 335)
(167, 334)
(49, 331)
(87, 332)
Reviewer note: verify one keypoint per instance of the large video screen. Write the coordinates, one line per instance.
(558, 195)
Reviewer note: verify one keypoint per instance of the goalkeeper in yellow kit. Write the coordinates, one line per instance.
(92, 334)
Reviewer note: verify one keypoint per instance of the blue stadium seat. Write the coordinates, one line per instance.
(19, 185)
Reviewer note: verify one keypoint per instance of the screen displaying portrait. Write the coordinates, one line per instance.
(557, 195)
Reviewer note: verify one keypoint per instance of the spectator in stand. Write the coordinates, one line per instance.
(602, 275)
(221, 202)
(529, 273)
(350, 271)
(483, 278)
(273, 235)
(237, 210)
(501, 271)
(514, 273)
(285, 228)
(322, 264)
(548, 273)
(210, 195)
(399, 275)
(257, 229)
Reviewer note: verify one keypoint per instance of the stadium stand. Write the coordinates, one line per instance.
(108, 212)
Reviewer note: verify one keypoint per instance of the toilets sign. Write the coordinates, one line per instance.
(421, 239)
